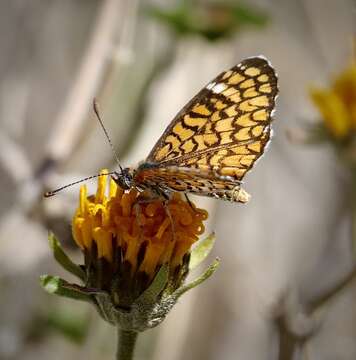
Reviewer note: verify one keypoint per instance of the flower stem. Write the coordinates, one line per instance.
(126, 344)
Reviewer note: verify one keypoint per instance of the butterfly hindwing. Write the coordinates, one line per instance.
(188, 180)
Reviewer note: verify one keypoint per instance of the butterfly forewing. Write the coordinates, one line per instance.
(220, 133)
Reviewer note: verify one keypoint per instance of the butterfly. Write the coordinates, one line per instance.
(214, 140)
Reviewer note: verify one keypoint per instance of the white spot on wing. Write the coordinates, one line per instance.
(211, 85)
(218, 88)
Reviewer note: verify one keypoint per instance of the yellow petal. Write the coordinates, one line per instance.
(82, 200)
(333, 111)
(353, 115)
(345, 86)
(100, 193)
(104, 243)
(77, 231)
(112, 188)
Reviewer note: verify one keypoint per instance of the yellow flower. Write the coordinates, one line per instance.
(127, 238)
(345, 87)
(137, 254)
(337, 105)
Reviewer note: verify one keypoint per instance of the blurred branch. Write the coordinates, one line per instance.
(14, 159)
(70, 121)
(287, 342)
(139, 113)
(294, 323)
(308, 134)
(335, 291)
(353, 214)
(297, 322)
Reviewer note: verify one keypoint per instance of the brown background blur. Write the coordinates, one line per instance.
(294, 234)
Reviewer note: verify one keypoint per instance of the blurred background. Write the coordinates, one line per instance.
(144, 60)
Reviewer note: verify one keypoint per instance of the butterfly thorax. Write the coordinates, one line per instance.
(143, 181)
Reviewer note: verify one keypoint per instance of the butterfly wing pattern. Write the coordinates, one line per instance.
(217, 137)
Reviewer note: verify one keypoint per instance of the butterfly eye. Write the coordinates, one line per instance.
(123, 178)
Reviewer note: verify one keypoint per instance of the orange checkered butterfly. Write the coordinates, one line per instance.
(214, 140)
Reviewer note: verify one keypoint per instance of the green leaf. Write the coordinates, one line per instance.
(206, 275)
(69, 322)
(201, 251)
(175, 18)
(248, 15)
(212, 21)
(150, 295)
(58, 286)
(63, 259)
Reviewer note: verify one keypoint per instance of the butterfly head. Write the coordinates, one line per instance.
(123, 178)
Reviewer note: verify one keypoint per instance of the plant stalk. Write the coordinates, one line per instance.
(353, 214)
(126, 344)
(287, 343)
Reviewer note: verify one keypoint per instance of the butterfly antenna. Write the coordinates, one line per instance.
(96, 110)
(54, 192)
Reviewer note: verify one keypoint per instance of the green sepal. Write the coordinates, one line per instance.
(151, 294)
(206, 275)
(62, 258)
(105, 307)
(201, 251)
(56, 285)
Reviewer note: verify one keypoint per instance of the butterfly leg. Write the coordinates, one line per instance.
(154, 196)
(138, 212)
(158, 193)
(169, 215)
(189, 202)
(141, 200)
(166, 195)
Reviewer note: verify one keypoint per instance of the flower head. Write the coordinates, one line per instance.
(337, 104)
(137, 254)
(126, 238)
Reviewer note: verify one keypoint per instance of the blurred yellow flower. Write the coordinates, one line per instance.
(134, 238)
(337, 104)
